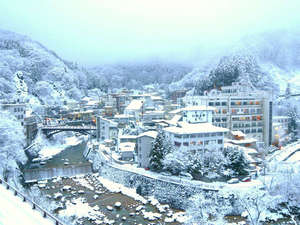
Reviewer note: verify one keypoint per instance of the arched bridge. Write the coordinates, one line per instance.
(51, 130)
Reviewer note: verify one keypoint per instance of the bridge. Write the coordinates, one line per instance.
(49, 131)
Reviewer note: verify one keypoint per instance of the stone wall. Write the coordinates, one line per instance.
(171, 193)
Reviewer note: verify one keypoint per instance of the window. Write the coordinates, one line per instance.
(213, 134)
(224, 103)
(185, 144)
(193, 143)
(220, 141)
(224, 111)
(200, 143)
(211, 104)
(177, 136)
(178, 144)
(206, 142)
(232, 103)
(200, 135)
(218, 103)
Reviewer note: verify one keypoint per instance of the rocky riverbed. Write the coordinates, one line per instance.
(90, 199)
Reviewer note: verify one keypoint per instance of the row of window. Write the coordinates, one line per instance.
(18, 109)
(20, 117)
(247, 118)
(198, 135)
(193, 143)
(223, 119)
(234, 103)
(246, 111)
(252, 124)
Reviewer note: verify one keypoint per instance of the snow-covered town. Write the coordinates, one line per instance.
(145, 137)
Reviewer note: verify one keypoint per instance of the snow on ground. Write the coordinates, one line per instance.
(13, 211)
(115, 187)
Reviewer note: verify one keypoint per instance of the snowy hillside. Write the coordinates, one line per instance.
(46, 76)
(268, 61)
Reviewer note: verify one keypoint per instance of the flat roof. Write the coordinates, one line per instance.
(135, 104)
(152, 134)
(187, 128)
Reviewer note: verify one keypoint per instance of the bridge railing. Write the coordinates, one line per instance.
(44, 212)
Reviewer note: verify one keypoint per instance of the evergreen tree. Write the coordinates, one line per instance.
(158, 152)
(292, 126)
(238, 162)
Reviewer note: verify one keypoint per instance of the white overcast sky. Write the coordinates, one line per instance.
(101, 31)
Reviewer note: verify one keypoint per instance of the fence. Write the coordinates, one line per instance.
(35, 206)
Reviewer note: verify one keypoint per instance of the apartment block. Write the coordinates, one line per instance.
(238, 108)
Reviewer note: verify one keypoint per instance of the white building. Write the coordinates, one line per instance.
(196, 137)
(135, 108)
(195, 114)
(16, 109)
(144, 147)
(280, 130)
(108, 130)
(239, 107)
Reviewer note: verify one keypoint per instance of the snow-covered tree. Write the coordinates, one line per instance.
(255, 203)
(207, 208)
(237, 161)
(159, 151)
(176, 161)
(12, 139)
(292, 126)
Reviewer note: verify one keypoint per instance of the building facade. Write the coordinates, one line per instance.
(239, 108)
(144, 147)
(196, 137)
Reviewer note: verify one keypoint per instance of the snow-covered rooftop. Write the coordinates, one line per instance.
(193, 108)
(135, 104)
(238, 133)
(152, 134)
(187, 128)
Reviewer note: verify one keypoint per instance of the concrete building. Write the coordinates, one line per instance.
(135, 108)
(196, 137)
(144, 147)
(106, 129)
(15, 108)
(280, 130)
(31, 128)
(126, 150)
(239, 108)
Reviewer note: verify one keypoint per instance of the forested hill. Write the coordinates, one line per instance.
(269, 61)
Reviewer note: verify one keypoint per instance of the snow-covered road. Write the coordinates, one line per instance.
(13, 211)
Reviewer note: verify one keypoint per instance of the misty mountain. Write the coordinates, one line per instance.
(137, 75)
(268, 61)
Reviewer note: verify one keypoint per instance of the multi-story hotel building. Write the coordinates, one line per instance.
(195, 137)
(238, 108)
